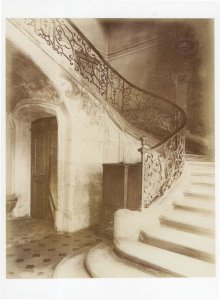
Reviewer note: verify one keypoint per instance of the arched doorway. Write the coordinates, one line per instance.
(43, 168)
(27, 113)
(32, 95)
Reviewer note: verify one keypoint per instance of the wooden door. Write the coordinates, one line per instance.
(40, 168)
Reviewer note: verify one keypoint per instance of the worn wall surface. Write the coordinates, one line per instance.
(95, 140)
(88, 139)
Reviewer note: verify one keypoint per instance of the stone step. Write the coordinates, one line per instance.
(196, 205)
(207, 180)
(191, 195)
(186, 243)
(202, 164)
(102, 262)
(197, 158)
(203, 167)
(207, 186)
(201, 190)
(173, 264)
(189, 221)
(202, 173)
(72, 267)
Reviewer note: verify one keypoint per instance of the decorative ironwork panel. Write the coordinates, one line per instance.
(162, 168)
(153, 177)
(69, 43)
(174, 154)
(115, 90)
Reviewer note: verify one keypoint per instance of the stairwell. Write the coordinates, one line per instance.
(181, 243)
(179, 239)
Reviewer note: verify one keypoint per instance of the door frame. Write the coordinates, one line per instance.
(24, 113)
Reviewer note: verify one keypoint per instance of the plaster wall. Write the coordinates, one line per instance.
(87, 138)
(94, 140)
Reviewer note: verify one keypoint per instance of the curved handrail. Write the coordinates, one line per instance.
(136, 87)
(162, 163)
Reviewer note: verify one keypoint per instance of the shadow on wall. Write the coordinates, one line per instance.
(200, 145)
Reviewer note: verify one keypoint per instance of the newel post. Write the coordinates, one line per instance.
(143, 150)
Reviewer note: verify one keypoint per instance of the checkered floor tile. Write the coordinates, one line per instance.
(34, 248)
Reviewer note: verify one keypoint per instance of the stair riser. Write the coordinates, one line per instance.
(178, 248)
(187, 227)
(201, 189)
(162, 271)
(201, 183)
(199, 196)
(202, 174)
(193, 209)
(202, 163)
(202, 171)
(209, 186)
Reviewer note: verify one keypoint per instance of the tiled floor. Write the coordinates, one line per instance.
(34, 249)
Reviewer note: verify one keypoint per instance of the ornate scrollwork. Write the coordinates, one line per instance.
(163, 164)
(162, 167)
(153, 175)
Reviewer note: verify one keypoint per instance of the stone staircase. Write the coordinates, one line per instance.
(181, 243)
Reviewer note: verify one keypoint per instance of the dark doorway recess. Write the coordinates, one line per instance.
(43, 168)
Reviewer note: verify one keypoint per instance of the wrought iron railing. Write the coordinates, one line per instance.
(161, 164)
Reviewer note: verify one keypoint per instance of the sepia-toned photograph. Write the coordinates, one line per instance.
(110, 148)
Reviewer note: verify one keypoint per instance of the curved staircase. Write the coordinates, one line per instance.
(181, 243)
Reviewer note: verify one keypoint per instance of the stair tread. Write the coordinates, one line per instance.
(207, 180)
(190, 218)
(201, 189)
(102, 262)
(181, 238)
(202, 163)
(198, 158)
(205, 187)
(178, 264)
(202, 178)
(72, 267)
(202, 167)
(196, 203)
(201, 173)
(190, 195)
